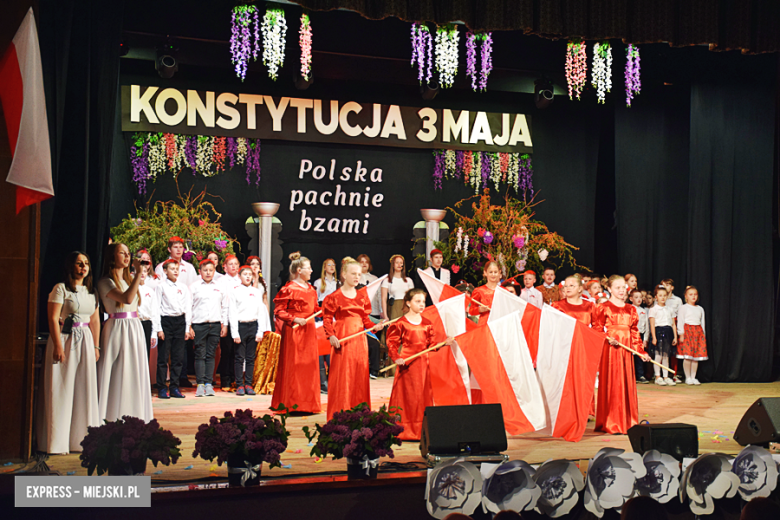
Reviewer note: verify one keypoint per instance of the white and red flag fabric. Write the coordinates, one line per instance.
(437, 290)
(24, 106)
(447, 366)
(500, 361)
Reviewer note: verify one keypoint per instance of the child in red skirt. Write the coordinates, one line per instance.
(412, 385)
(692, 346)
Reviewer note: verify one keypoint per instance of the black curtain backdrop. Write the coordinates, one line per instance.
(79, 42)
(729, 249)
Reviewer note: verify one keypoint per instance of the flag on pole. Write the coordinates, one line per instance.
(437, 290)
(24, 106)
(449, 371)
(505, 303)
(500, 361)
(568, 359)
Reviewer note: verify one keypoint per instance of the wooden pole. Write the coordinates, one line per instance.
(309, 318)
(637, 353)
(435, 347)
(364, 331)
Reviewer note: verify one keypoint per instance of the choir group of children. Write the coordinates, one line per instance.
(230, 310)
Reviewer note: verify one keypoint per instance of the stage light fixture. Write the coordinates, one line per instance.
(543, 93)
(166, 65)
(429, 90)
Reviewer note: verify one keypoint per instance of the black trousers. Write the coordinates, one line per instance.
(226, 361)
(173, 346)
(374, 349)
(246, 350)
(206, 341)
(147, 325)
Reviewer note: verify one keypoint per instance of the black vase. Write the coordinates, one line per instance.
(237, 468)
(134, 467)
(355, 470)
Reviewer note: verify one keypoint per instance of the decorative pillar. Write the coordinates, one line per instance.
(432, 218)
(266, 212)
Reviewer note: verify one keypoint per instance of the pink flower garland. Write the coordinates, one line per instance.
(305, 42)
(576, 68)
(633, 83)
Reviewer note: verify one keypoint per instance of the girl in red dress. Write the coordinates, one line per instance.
(482, 297)
(412, 385)
(351, 308)
(573, 305)
(618, 409)
(298, 373)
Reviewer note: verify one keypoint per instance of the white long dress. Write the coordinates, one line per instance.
(69, 398)
(123, 370)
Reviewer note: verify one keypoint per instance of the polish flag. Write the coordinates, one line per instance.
(567, 363)
(505, 303)
(24, 106)
(500, 361)
(437, 290)
(448, 369)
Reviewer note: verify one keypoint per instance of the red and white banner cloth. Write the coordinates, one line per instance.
(437, 290)
(24, 106)
(448, 368)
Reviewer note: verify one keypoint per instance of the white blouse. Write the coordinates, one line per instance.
(330, 288)
(81, 303)
(690, 315)
(662, 316)
(105, 286)
(397, 287)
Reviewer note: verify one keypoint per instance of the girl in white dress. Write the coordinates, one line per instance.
(123, 368)
(258, 282)
(69, 401)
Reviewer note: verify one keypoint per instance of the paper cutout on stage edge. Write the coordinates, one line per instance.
(453, 487)
(611, 479)
(509, 486)
(757, 472)
(707, 478)
(662, 482)
(560, 482)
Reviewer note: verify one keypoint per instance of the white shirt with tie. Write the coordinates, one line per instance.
(246, 305)
(445, 274)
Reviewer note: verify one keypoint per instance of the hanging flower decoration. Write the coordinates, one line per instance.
(610, 481)
(152, 154)
(543, 254)
(757, 472)
(422, 49)
(274, 30)
(487, 237)
(602, 70)
(477, 168)
(662, 481)
(509, 486)
(576, 68)
(560, 482)
(305, 42)
(453, 487)
(471, 58)
(633, 83)
(706, 479)
(241, 45)
(447, 38)
(486, 51)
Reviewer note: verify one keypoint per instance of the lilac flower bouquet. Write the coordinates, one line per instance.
(258, 439)
(357, 433)
(117, 446)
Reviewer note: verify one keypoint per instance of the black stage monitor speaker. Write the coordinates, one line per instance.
(761, 423)
(678, 440)
(475, 429)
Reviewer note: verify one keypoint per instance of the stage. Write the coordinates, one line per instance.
(714, 408)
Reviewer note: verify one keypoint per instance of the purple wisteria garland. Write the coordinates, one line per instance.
(422, 49)
(486, 60)
(241, 46)
(477, 169)
(205, 155)
(633, 83)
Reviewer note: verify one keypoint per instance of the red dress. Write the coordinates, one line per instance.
(298, 373)
(412, 384)
(582, 313)
(348, 378)
(618, 409)
(481, 295)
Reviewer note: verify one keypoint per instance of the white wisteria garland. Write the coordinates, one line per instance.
(602, 70)
(447, 38)
(274, 30)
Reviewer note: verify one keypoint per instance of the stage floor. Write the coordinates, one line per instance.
(714, 408)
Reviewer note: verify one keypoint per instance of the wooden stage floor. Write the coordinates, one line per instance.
(714, 408)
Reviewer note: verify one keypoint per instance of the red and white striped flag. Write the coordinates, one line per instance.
(437, 290)
(24, 106)
(448, 368)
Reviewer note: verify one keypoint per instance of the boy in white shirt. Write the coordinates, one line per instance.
(674, 303)
(174, 309)
(530, 293)
(187, 274)
(210, 303)
(639, 366)
(664, 335)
